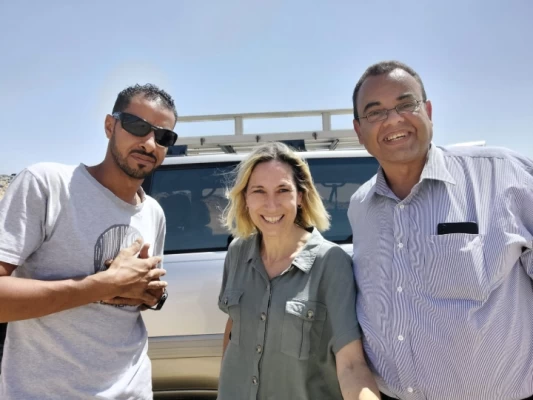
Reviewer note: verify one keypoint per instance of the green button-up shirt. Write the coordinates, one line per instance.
(286, 331)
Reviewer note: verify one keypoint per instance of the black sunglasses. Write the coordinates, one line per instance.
(139, 127)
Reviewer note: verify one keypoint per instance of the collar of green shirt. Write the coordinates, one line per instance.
(303, 261)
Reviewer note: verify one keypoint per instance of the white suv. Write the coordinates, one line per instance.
(186, 334)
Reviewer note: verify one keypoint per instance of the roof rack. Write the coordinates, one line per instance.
(240, 142)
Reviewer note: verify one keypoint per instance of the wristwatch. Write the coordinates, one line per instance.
(161, 301)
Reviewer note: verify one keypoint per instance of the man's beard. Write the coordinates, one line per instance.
(135, 173)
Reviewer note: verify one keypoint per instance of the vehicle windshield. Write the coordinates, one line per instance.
(193, 198)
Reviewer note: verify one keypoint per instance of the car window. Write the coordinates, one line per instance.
(193, 197)
(337, 179)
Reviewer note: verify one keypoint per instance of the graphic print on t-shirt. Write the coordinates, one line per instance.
(111, 242)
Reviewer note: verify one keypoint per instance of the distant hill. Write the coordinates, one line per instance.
(5, 180)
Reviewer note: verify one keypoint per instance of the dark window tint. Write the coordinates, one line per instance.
(337, 179)
(193, 197)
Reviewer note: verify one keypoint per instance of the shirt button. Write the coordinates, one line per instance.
(263, 316)
(399, 289)
(400, 338)
(410, 390)
(402, 206)
(310, 314)
(259, 349)
(254, 380)
(400, 245)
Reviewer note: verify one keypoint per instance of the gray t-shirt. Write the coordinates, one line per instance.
(57, 222)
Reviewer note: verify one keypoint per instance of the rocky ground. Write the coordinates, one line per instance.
(4, 183)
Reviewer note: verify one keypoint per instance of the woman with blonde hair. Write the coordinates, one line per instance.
(292, 332)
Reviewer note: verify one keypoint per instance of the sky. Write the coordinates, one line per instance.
(62, 63)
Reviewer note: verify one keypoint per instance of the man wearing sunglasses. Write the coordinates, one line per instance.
(442, 251)
(80, 251)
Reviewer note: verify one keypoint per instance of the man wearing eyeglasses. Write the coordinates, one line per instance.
(79, 254)
(443, 259)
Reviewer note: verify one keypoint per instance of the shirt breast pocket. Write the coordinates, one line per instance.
(231, 304)
(454, 267)
(303, 323)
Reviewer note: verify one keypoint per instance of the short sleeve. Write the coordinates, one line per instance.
(234, 250)
(159, 248)
(340, 298)
(225, 274)
(22, 218)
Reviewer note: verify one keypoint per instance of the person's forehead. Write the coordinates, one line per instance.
(151, 110)
(272, 169)
(394, 83)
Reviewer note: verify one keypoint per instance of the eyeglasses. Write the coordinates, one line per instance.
(404, 108)
(139, 127)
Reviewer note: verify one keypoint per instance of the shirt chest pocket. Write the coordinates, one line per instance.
(303, 323)
(231, 304)
(454, 267)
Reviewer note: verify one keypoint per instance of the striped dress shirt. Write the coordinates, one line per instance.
(450, 316)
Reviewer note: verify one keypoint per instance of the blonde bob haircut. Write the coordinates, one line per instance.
(312, 212)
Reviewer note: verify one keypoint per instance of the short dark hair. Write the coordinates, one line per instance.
(381, 68)
(150, 92)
